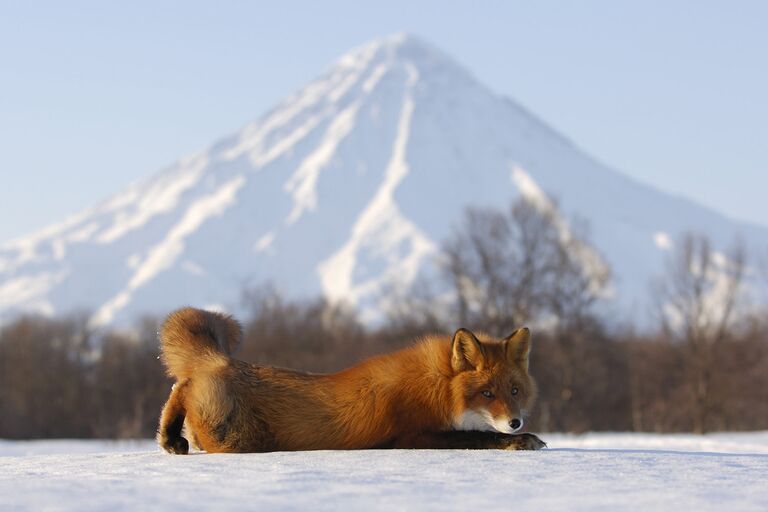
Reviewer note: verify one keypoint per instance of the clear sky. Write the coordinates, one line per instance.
(94, 95)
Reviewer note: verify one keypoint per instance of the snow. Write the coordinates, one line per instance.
(165, 253)
(372, 81)
(644, 472)
(285, 144)
(161, 197)
(29, 290)
(193, 268)
(303, 184)
(381, 228)
(264, 243)
(170, 248)
(662, 240)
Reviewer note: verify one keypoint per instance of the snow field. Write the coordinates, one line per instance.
(592, 472)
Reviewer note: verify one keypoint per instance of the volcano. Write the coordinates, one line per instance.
(346, 189)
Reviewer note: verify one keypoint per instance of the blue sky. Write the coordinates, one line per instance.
(94, 95)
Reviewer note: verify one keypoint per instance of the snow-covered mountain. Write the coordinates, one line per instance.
(346, 188)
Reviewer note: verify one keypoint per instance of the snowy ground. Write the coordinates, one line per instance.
(592, 472)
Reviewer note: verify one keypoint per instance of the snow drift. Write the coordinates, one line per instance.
(642, 472)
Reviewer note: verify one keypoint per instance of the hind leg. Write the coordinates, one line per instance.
(172, 422)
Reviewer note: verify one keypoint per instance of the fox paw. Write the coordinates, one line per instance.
(178, 445)
(525, 442)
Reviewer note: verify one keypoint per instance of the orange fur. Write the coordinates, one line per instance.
(411, 398)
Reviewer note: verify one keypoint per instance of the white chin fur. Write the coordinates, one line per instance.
(481, 420)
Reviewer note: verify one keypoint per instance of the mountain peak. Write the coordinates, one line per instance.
(403, 48)
(400, 44)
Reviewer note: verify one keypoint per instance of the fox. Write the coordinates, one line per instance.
(462, 392)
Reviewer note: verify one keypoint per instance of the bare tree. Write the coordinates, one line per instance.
(763, 267)
(698, 299)
(41, 379)
(416, 310)
(310, 335)
(129, 384)
(521, 266)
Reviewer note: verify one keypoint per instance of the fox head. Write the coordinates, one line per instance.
(491, 387)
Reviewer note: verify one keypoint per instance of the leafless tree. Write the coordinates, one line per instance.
(310, 335)
(42, 383)
(521, 266)
(698, 298)
(415, 311)
(763, 269)
(129, 383)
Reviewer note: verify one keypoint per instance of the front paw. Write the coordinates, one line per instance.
(525, 442)
(177, 446)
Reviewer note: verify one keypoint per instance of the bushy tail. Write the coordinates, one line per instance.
(194, 341)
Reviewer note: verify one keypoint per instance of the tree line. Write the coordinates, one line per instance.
(704, 368)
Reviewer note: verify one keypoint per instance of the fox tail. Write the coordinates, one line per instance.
(195, 341)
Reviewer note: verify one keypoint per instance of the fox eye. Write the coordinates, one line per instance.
(515, 391)
(487, 394)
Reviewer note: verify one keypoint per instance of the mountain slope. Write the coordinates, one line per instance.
(347, 189)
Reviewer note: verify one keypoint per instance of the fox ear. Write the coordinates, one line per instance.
(518, 347)
(466, 351)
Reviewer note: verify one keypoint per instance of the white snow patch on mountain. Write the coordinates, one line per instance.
(27, 290)
(376, 75)
(193, 268)
(303, 184)
(381, 228)
(165, 254)
(662, 240)
(147, 202)
(264, 243)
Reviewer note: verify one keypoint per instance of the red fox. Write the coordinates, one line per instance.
(465, 392)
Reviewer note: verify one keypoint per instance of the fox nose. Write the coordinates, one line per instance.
(516, 424)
